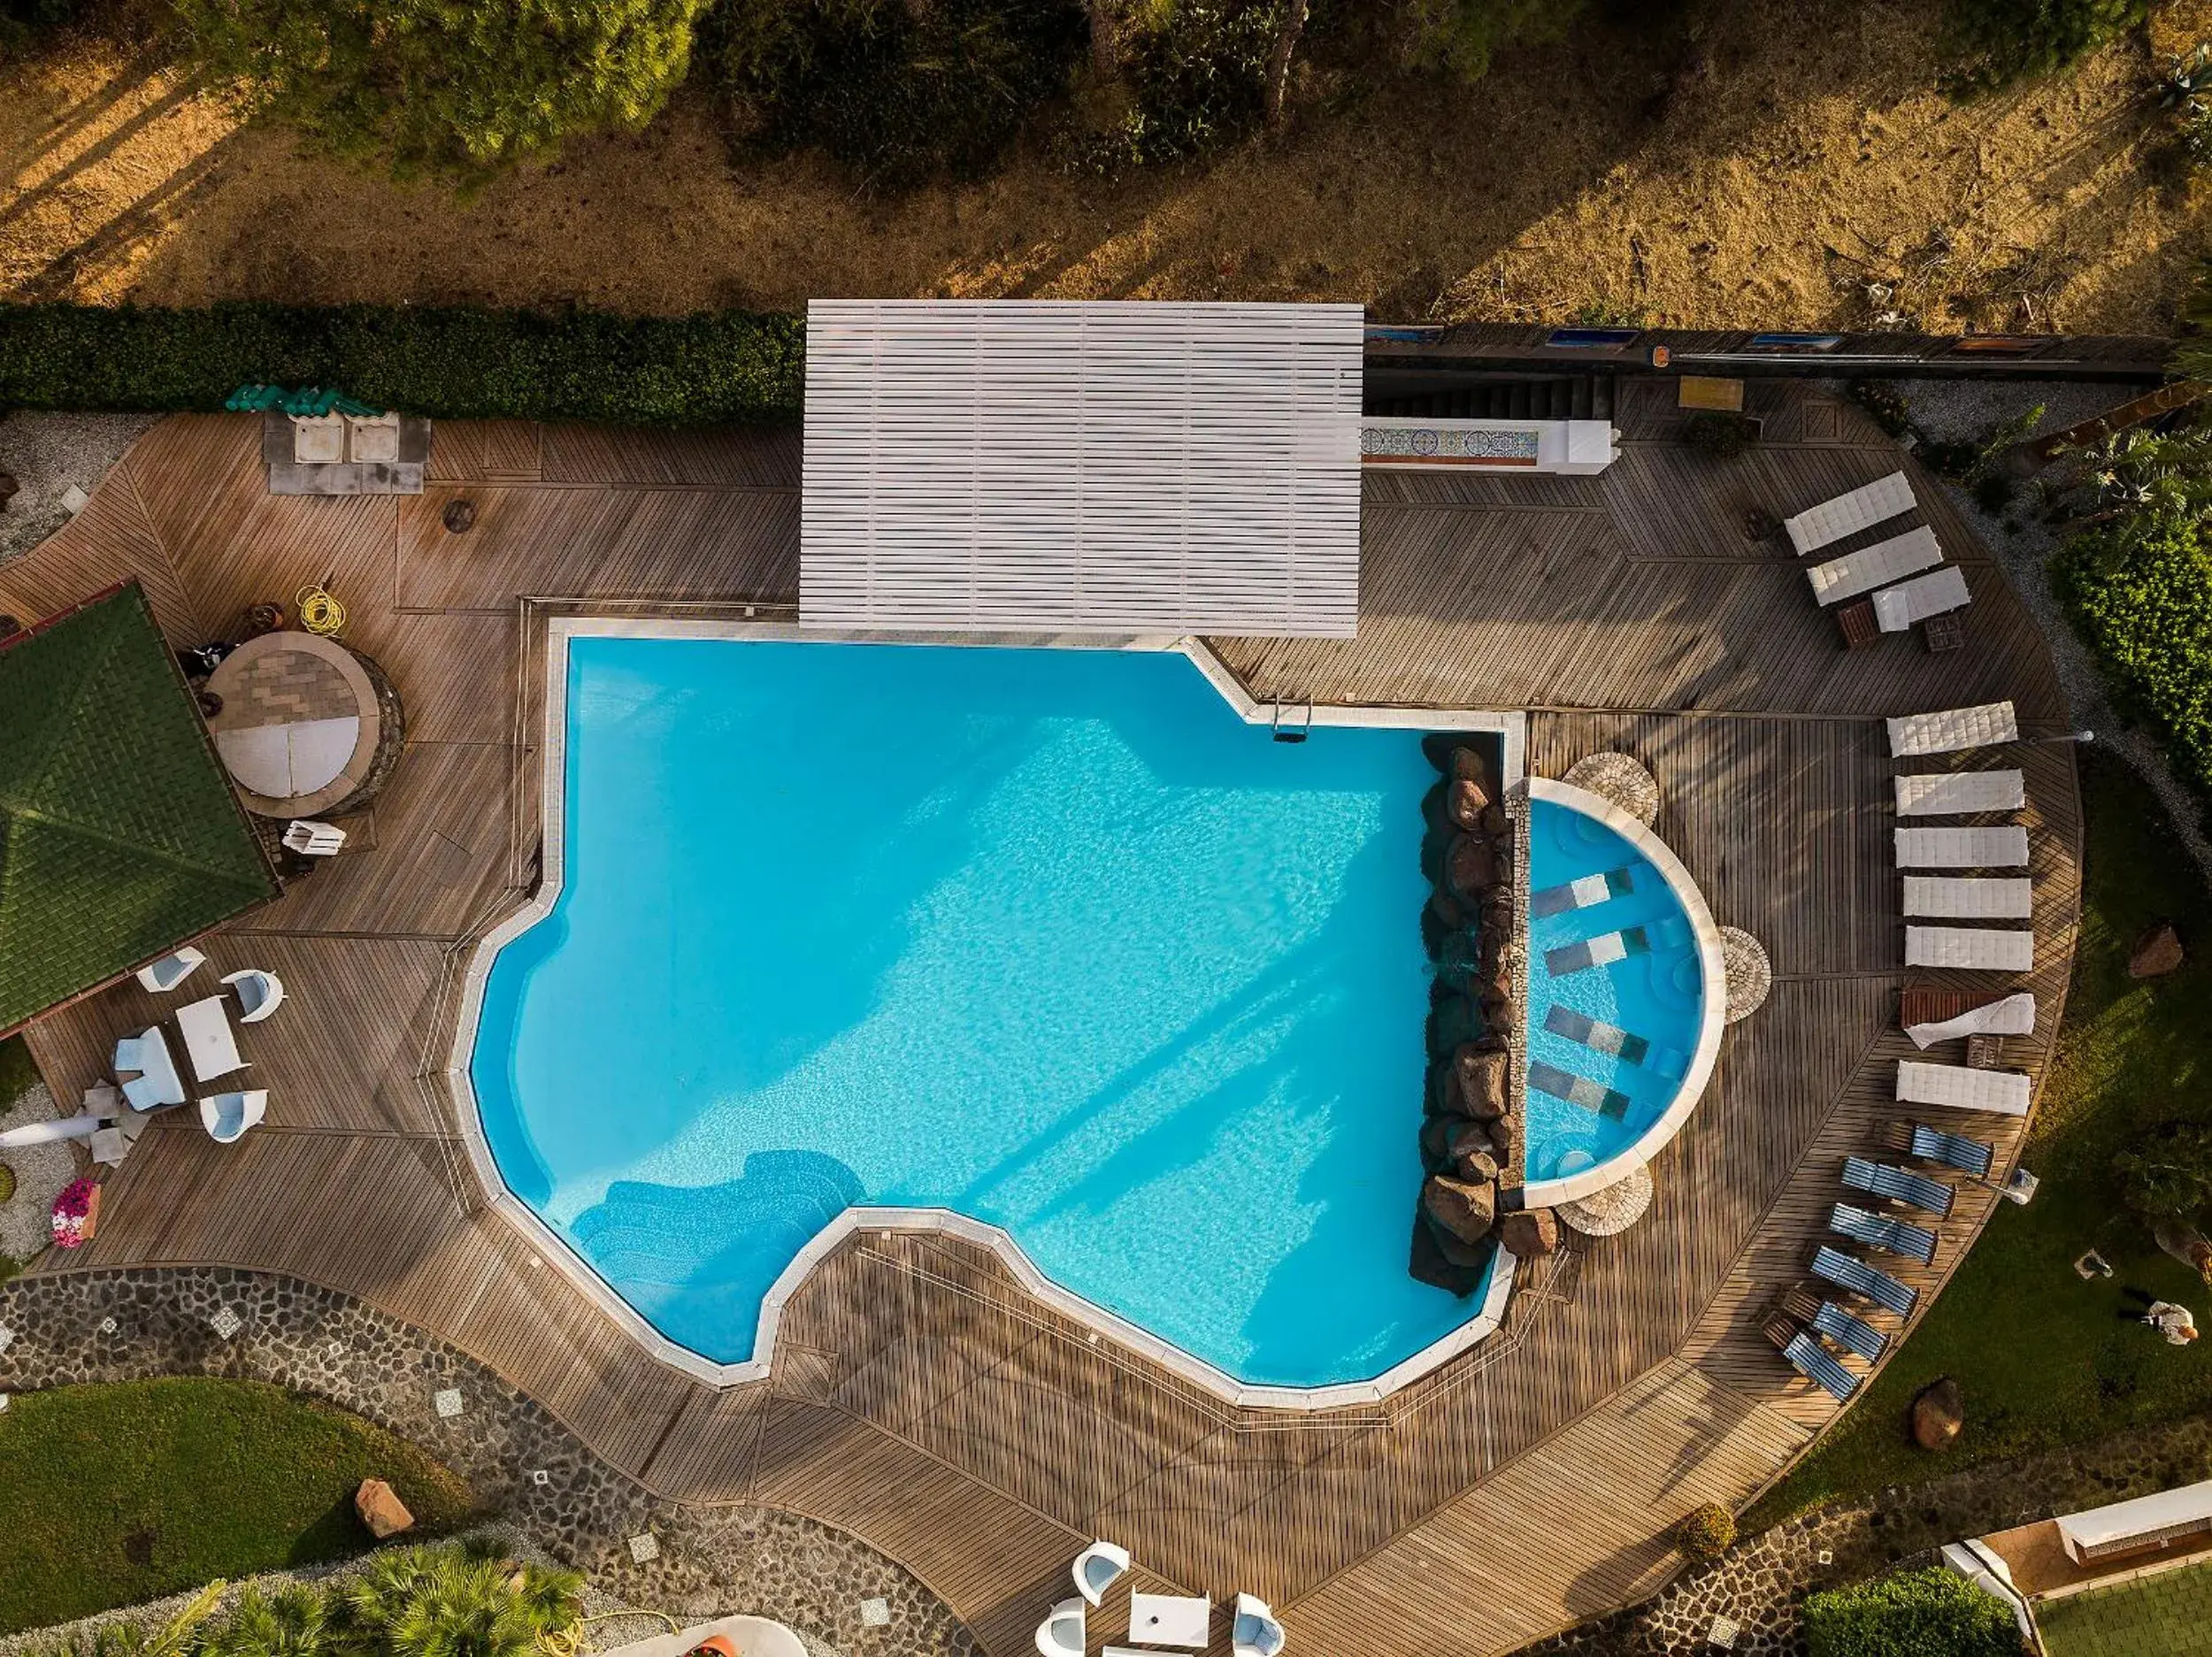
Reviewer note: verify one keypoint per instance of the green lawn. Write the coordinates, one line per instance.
(109, 1495)
(2041, 1356)
(2166, 1615)
(17, 1072)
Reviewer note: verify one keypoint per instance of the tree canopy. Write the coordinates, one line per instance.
(457, 88)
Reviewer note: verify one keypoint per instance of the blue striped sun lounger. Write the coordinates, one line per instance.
(1877, 1231)
(1869, 1282)
(1953, 1150)
(1577, 1090)
(1818, 1365)
(1899, 1185)
(1852, 1333)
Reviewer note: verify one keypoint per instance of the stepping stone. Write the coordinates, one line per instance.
(1602, 951)
(644, 1548)
(1596, 1035)
(875, 1613)
(446, 1402)
(1577, 1090)
(226, 1322)
(1584, 893)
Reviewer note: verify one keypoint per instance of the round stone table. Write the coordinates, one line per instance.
(300, 725)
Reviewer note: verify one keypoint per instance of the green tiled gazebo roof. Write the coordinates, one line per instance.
(119, 836)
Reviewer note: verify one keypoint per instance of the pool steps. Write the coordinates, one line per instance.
(1577, 1090)
(1586, 892)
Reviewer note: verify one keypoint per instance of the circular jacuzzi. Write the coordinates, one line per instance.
(1623, 1006)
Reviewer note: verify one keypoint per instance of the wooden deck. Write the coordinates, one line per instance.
(919, 1398)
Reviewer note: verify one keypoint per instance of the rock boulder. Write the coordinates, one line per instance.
(1464, 803)
(1484, 1081)
(1468, 766)
(381, 1509)
(2157, 953)
(1530, 1234)
(1938, 1414)
(1461, 1210)
(1470, 868)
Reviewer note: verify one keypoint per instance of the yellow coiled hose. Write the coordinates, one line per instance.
(320, 612)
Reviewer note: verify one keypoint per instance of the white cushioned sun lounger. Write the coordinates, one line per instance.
(1955, 898)
(1848, 513)
(1885, 561)
(2015, 1016)
(1988, 724)
(1935, 594)
(1953, 793)
(2002, 1092)
(1970, 948)
(1962, 848)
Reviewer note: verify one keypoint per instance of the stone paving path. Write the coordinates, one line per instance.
(524, 1466)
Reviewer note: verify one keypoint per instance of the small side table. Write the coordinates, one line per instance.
(1858, 623)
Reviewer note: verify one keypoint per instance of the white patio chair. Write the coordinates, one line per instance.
(1255, 1632)
(1970, 897)
(227, 1116)
(1061, 1633)
(1097, 1568)
(314, 840)
(1986, 725)
(2004, 848)
(259, 993)
(1937, 592)
(1848, 513)
(2015, 1016)
(1869, 567)
(1956, 1087)
(160, 976)
(1970, 948)
(1955, 794)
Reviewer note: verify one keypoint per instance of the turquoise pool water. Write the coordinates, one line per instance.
(1049, 936)
(1608, 1039)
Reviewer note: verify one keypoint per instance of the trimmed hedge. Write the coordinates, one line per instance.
(2140, 593)
(713, 368)
(1929, 1613)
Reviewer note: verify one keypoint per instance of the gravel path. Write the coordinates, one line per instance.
(40, 1171)
(46, 454)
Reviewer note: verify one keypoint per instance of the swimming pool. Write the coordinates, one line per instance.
(1621, 1018)
(1051, 938)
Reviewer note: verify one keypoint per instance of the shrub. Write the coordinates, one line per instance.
(1918, 1613)
(1723, 436)
(898, 91)
(713, 368)
(1706, 1533)
(1197, 76)
(1884, 403)
(2139, 591)
(2002, 41)
(429, 86)
(1460, 35)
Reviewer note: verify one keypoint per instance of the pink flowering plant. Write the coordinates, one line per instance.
(69, 1209)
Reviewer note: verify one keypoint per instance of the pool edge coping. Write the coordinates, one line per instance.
(1713, 1013)
(552, 771)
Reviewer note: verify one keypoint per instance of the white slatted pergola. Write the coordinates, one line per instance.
(1077, 467)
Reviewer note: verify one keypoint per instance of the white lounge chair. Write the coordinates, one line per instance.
(1848, 513)
(2015, 1016)
(1255, 1632)
(1937, 592)
(1954, 730)
(1061, 1633)
(1957, 898)
(1962, 848)
(1878, 565)
(1955, 794)
(160, 976)
(2000, 1092)
(227, 1116)
(1096, 1569)
(314, 840)
(259, 993)
(157, 1083)
(1970, 948)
